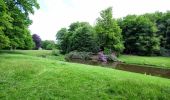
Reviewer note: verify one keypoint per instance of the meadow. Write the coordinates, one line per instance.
(26, 76)
(157, 61)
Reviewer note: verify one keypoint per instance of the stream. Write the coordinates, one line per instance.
(129, 67)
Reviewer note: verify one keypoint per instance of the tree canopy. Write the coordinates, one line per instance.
(48, 44)
(108, 31)
(14, 23)
(37, 40)
(140, 36)
(147, 34)
(79, 37)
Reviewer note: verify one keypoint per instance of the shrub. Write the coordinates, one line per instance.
(78, 55)
(164, 52)
(48, 44)
(107, 51)
(55, 52)
(79, 37)
(110, 58)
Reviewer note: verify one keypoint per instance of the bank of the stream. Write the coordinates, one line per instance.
(157, 61)
(30, 77)
(143, 69)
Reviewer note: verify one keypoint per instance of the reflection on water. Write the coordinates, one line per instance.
(128, 67)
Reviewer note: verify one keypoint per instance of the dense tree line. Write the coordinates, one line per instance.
(108, 32)
(14, 23)
(139, 35)
(147, 34)
(81, 36)
(48, 44)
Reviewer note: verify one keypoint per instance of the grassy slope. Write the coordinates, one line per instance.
(27, 77)
(37, 53)
(162, 62)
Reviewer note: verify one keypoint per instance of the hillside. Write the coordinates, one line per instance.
(29, 77)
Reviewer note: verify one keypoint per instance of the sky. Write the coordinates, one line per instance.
(56, 14)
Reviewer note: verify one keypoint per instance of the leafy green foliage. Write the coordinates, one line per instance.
(83, 38)
(48, 45)
(4, 41)
(14, 22)
(164, 52)
(78, 55)
(137, 33)
(4, 23)
(55, 52)
(140, 36)
(108, 31)
(62, 38)
(29, 44)
(164, 29)
(79, 36)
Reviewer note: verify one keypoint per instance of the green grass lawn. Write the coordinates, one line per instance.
(161, 62)
(27, 77)
(38, 53)
(157, 61)
(28, 52)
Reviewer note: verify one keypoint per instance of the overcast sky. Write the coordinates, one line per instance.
(56, 14)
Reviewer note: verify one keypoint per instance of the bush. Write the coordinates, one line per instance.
(48, 44)
(78, 55)
(55, 52)
(110, 58)
(164, 52)
(79, 37)
(107, 51)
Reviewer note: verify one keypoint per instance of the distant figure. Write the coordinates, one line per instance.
(101, 56)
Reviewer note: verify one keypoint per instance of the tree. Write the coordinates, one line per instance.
(139, 34)
(29, 43)
(37, 41)
(163, 25)
(4, 41)
(62, 38)
(14, 22)
(108, 31)
(83, 38)
(5, 20)
(48, 44)
(79, 37)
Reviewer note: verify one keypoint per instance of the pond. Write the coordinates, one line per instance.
(129, 67)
